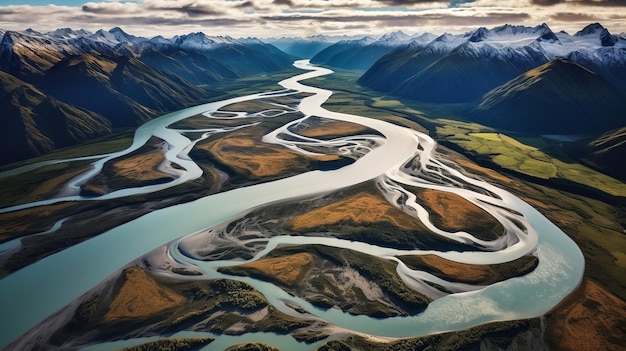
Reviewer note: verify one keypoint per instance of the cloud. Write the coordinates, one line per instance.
(111, 8)
(411, 20)
(580, 2)
(309, 17)
(188, 7)
(283, 2)
(572, 17)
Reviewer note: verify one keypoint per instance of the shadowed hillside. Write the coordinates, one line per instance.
(559, 97)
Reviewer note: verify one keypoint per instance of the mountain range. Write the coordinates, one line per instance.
(67, 86)
(461, 68)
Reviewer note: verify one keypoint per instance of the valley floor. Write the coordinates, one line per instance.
(157, 294)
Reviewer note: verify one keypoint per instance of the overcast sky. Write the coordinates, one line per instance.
(275, 18)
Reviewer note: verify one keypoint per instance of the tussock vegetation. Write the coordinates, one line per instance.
(140, 296)
(362, 214)
(171, 345)
(471, 273)
(324, 284)
(268, 103)
(500, 336)
(451, 212)
(39, 184)
(204, 122)
(98, 146)
(361, 208)
(137, 303)
(252, 346)
(589, 319)
(288, 270)
(138, 168)
(244, 151)
(28, 221)
(333, 129)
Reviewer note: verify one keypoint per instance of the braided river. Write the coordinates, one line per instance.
(396, 158)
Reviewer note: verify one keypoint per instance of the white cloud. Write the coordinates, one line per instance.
(112, 8)
(306, 17)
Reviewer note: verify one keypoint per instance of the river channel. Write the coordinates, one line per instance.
(35, 292)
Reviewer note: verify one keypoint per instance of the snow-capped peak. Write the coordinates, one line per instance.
(30, 31)
(593, 28)
(122, 36)
(479, 35)
(200, 41)
(65, 33)
(394, 39)
(103, 36)
(249, 40)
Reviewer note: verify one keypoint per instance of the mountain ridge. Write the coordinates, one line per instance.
(500, 53)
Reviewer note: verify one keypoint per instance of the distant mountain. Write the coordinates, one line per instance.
(34, 123)
(201, 41)
(307, 47)
(605, 152)
(559, 97)
(402, 62)
(253, 58)
(462, 75)
(29, 56)
(461, 68)
(113, 79)
(359, 54)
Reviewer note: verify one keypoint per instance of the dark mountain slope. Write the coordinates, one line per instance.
(559, 97)
(352, 54)
(463, 75)
(125, 90)
(219, 63)
(359, 58)
(306, 49)
(396, 66)
(84, 81)
(159, 91)
(608, 152)
(612, 66)
(253, 58)
(193, 66)
(325, 55)
(33, 123)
